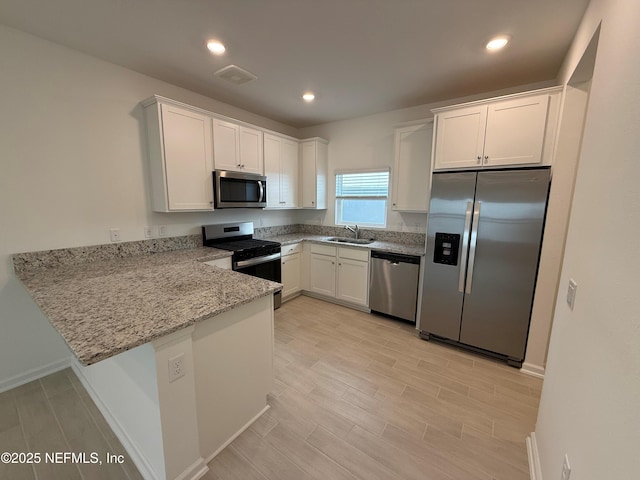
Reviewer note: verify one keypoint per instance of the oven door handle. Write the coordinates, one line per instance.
(255, 261)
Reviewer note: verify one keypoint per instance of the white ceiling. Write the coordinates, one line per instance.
(358, 56)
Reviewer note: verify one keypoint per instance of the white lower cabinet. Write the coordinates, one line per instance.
(341, 273)
(291, 263)
(322, 272)
(353, 281)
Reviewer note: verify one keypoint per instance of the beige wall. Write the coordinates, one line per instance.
(73, 165)
(589, 405)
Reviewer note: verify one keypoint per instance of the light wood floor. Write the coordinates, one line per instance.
(356, 396)
(56, 414)
(359, 396)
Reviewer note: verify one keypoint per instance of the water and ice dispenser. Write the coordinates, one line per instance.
(446, 248)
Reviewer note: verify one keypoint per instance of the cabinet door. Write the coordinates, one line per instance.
(412, 168)
(308, 183)
(225, 145)
(322, 275)
(289, 173)
(272, 153)
(291, 274)
(460, 137)
(515, 131)
(251, 153)
(188, 159)
(353, 281)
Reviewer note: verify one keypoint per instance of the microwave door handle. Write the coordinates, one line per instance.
(261, 191)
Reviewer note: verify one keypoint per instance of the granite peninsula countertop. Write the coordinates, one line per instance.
(392, 247)
(107, 306)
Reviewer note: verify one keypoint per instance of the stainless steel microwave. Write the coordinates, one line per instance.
(239, 190)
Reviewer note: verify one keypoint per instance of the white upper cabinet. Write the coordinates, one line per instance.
(460, 137)
(237, 148)
(180, 156)
(412, 167)
(515, 131)
(281, 166)
(511, 131)
(314, 160)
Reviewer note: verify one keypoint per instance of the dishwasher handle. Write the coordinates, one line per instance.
(395, 258)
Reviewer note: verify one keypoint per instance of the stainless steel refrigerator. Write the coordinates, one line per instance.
(483, 246)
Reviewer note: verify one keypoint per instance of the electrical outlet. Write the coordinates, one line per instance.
(571, 293)
(114, 233)
(162, 230)
(148, 232)
(566, 468)
(176, 367)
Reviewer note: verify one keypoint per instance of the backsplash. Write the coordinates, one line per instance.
(405, 238)
(264, 232)
(78, 255)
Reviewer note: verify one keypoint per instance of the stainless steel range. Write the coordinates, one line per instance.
(259, 258)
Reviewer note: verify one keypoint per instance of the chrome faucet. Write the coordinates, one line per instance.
(355, 229)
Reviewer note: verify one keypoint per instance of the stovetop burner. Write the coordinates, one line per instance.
(243, 245)
(238, 238)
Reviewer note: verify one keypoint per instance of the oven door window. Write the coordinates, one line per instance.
(268, 270)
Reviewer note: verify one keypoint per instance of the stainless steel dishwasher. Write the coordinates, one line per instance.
(393, 284)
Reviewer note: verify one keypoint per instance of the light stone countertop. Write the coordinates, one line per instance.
(392, 247)
(105, 307)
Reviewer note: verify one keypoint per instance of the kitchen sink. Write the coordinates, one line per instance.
(359, 241)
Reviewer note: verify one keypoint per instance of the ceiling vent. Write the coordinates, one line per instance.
(235, 74)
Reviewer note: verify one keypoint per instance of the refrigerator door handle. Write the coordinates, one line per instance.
(474, 239)
(465, 246)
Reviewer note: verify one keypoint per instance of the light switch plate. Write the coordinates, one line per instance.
(571, 293)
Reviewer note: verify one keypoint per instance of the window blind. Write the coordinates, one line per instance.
(373, 184)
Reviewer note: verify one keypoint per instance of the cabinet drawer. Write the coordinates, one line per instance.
(354, 254)
(323, 249)
(290, 249)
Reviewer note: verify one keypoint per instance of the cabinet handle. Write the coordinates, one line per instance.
(479, 158)
(238, 165)
(486, 157)
(242, 166)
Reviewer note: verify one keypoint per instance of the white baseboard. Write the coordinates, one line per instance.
(532, 370)
(535, 472)
(236, 435)
(141, 462)
(336, 301)
(34, 374)
(198, 470)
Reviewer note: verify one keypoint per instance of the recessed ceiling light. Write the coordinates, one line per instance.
(216, 47)
(308, 97)
(497, 43)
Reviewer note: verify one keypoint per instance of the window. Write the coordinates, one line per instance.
(361, 198)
